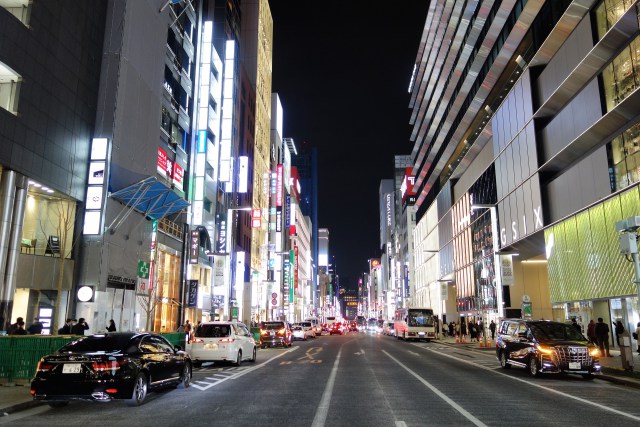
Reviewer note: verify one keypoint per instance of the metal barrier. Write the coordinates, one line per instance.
(20, 354)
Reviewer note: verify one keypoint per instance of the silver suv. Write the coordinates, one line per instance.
(544, 346)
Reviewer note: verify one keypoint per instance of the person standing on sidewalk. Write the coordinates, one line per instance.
(492, 328)
(591, 332)
(602, 335)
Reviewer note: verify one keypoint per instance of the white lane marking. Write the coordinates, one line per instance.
(323, 408)
(438, 393)
(360, 353)
(579, 399)
(413, 352)
(24, 414)
(238, 374)
(401, 424)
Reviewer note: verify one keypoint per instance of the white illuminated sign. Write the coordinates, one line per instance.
(85, 293)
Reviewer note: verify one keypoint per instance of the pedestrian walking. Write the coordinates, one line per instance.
(19, 328)
(619, 331)
(472, 331)
(591, 332)
(112, 326)
(452, 328)
(187, 330)
(636, 334)
(492, 328)
(14, 326)
(66, 328)
(602, 335)
(576, 325)
(80, 327)
(36, 327)
(458, 328)
(463, 328)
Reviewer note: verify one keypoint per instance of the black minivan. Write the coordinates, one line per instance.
(544, 346)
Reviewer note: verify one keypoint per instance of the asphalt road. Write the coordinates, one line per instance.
(363, 380)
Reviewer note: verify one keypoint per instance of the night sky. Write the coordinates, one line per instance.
(342, 71)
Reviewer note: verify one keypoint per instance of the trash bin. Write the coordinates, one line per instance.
(626, 352)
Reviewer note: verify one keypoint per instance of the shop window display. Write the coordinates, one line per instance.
(608, 13)
(620, 77)
(625, 155)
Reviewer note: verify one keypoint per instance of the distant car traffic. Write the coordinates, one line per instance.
(298, 332)
(308, 329)
(275, 333)
(388, 329)
(222, 342)
(102, 367)
(336, 329)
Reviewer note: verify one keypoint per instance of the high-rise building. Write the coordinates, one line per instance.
(525, 127)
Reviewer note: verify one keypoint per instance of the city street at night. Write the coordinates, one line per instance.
(361, 379)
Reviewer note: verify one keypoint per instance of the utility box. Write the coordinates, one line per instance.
(628, 243)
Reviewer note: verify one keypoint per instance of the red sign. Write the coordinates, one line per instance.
(162, 162)
(178, 174)
(408, 181)
(256, 218)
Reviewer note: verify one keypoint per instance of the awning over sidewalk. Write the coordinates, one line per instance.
(151, 198)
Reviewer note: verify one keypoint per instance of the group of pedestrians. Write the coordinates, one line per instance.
(18, 328)
(598, 334)
(475, 330)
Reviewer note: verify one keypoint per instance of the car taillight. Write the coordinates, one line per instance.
(281, 331)
(227, 340)
(44, 366)
(107, 365)
(197, 340)
(263, 332)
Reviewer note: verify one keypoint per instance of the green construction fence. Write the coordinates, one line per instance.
(20, 354)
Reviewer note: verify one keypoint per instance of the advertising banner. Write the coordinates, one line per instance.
(194, 246)
(192, 297)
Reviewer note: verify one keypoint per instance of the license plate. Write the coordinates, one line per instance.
(421, 333)
(272, 333)
(71, 368)
(574, 365)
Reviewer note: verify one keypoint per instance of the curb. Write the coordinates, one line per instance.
(23, 406)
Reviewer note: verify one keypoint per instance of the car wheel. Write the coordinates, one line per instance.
(139, 391)
(239, 358)
(59, 403)
(253, 357)
(588, 376)
(534, 369)
(185, 378)
(503, 360)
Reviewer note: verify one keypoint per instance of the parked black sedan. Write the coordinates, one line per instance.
(102, 367)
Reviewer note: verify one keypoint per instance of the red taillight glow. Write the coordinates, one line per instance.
(111, 390)
(44, 366)
(107, 365)
(197, 340)
(227, 340)
(33, 392)
(263, 332)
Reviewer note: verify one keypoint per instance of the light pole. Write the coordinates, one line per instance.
(628, 240)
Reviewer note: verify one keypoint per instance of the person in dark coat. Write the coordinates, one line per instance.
(19, 329)
(602, 335)
(66, 328)
(80, 327)
(619, 330)
(575, 325)
(112, 326)
(591, 332)
(492, 328)
(36, 327)
(14, 326)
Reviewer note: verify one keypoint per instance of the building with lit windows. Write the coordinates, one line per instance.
(525, 129)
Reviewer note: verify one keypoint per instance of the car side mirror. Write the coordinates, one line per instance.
(177, 348)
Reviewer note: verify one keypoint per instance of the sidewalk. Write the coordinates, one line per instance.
(15, 398)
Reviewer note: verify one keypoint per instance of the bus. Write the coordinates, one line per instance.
(361, 322)
(415, 323)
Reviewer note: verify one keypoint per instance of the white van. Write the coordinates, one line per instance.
(317, 327)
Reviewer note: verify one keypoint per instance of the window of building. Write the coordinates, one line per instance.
(9, 88)
(607, 14)
(621, 76)
(21, 9)
(625, 158)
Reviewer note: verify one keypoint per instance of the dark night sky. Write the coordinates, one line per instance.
(342, 71)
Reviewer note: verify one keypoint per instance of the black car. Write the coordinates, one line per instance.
(275, 333)
(102, 367)
(544, 346)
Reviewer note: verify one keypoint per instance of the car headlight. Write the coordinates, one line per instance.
(544, 350)
(594, 352)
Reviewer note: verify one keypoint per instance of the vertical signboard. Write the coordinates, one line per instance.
(95, 186)
(194, 246)
(221, 233)
(192, 298)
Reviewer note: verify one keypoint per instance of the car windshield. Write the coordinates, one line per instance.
(213, 331)
(554, 331)
(98, 343)
(272, 325)
(306, 324)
